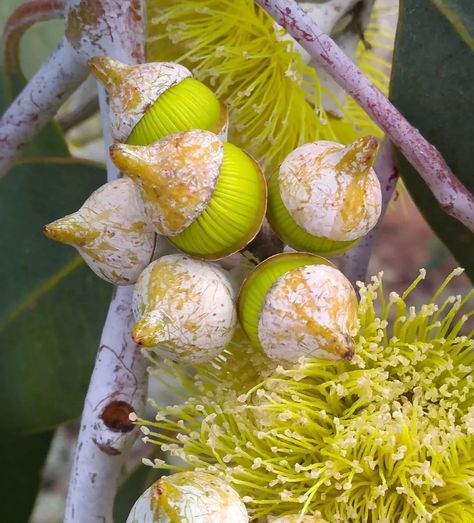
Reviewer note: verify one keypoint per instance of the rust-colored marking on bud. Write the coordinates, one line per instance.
(116, 416)
(157, 490)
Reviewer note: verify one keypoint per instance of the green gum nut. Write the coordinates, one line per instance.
(297, 305)
(208, 196)
(152, 100)
(187, 105)
(325, 197)
(259, 282)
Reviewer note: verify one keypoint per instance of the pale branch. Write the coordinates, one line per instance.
(92, 28)
(354, 263)
(119, 380)
(112, 170)
(20, 20)
(451, 195)
(78, 115)
(111, 27)
(39, 101)
(117, 388)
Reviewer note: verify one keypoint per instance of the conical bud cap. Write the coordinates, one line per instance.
(111, 232)
(177, 175)
(133, 88)
(329, 191)
(184, 308)
(72, 229)
(299, 304)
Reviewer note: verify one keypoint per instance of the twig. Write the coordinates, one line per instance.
(452, 196)
(80, 114)
(117, 388)
(119, 380)
(39, 101)
(112, 170)
(354, 263)
(22, 19)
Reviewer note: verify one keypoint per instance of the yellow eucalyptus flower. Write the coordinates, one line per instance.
(388, 437)
(274, 98)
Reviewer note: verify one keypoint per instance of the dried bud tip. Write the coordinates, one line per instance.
(149, 331)
(130, 159)
(71, 229)
(359, 156)
(107, 70)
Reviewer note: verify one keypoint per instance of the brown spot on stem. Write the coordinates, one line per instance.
(107, 449)
(86, 14)
(116, 416)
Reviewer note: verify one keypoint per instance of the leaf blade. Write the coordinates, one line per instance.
(432, 85)
(22, 460)
(53, 306)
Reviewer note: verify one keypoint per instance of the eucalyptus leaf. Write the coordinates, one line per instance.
(433, 86)
(52, 306)
(22, 459)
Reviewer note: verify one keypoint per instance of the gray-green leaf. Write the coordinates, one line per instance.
(433, 86)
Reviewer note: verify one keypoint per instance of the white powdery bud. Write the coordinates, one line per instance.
(146, 81)
(184, 308)
(309, 311)
(182, 169)
(189, 496)
(331, 191)
(110, 231)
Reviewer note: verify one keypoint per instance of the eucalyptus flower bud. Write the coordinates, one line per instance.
(208, 196)
(191, 497)
(299, 304)
(149, 101)
(184, 308)
(111, 232)
(325, 196)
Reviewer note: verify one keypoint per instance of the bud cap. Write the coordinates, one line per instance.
(111, 232)
(184, 308)
(177, 175)
(192, 497)
(331, 191)
(133, 88)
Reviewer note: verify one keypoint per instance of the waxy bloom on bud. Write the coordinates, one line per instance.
(111, 232)
(184, 308)
(191, 497)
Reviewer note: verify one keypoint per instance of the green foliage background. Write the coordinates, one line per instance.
(433, 86)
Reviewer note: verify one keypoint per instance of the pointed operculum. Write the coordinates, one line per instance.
(137, 162)
(150, 330)
(309, 311)
(108, 71)
(359, 156)
(72, 229)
